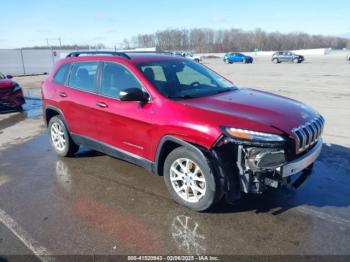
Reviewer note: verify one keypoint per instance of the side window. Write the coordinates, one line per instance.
(61, 73)
(116, 78)
(83, 76)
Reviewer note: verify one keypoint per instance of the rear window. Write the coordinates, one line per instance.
(60, 76)
(83, 76)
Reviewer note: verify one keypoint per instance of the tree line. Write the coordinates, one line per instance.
(210, 40)
(70, 47)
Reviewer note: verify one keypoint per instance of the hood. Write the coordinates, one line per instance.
(4, 83)
(256, 106)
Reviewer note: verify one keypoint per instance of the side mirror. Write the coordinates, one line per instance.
(9, 76)
(133, 94)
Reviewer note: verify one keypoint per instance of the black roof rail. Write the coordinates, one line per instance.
(112, 53)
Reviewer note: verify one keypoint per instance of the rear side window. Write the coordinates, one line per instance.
(60, 76)
(116, 78)
(83, 76)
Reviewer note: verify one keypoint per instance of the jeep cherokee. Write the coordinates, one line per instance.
(181, 120)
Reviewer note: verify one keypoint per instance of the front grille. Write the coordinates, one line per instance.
(306, 135)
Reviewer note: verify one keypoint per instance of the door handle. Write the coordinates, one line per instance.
(63, 94)
(101, 104)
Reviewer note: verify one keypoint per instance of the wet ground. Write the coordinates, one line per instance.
(95, 204)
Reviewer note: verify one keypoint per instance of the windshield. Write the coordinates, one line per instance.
(179, 79)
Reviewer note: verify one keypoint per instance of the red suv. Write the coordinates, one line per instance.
(11, 94)
(179, 119)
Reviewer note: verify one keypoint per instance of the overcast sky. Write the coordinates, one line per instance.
(28, 23)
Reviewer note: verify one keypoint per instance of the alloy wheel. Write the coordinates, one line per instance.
(58, 137)
(187, 180)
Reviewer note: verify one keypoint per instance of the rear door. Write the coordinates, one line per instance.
(77, 98)
(126, 125)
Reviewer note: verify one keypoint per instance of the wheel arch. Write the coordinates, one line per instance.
(51, 111)
(167, 144)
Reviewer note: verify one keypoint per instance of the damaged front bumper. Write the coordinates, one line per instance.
(254, 179)
(259, 167)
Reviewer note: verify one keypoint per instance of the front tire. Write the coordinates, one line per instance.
(296, 61)
(60, 139)
(275, 61)
(189, 179)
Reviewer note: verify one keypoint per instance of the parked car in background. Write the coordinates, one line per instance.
(190, 55)
(238, 57)
(287, 56)
(181, 120)
(195, 57)
(11, 94)
(348, 57)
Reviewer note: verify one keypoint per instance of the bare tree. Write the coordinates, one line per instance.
(210, 40)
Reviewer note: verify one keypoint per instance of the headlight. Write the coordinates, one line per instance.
(265, 158)
(253, 136)
(16, 88)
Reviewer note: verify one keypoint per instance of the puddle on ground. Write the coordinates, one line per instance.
(33, 107)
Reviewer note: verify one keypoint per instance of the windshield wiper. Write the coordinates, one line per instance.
(221, 91)
(184, 97)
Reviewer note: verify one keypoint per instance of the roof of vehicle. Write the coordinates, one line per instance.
(133, 57)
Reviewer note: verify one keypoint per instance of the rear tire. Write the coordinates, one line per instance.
(189, 179)
(60, 139)
(296, 61)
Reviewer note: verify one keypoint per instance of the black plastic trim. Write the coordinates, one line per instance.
(112, 151)
(176, 140)
(59, 111)
(113, 53)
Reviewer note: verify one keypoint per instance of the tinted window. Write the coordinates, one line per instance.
(116, 78)
(83, 75)
(60, 76)
(184, 79)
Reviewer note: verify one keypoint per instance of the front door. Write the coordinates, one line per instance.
(126, 125)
